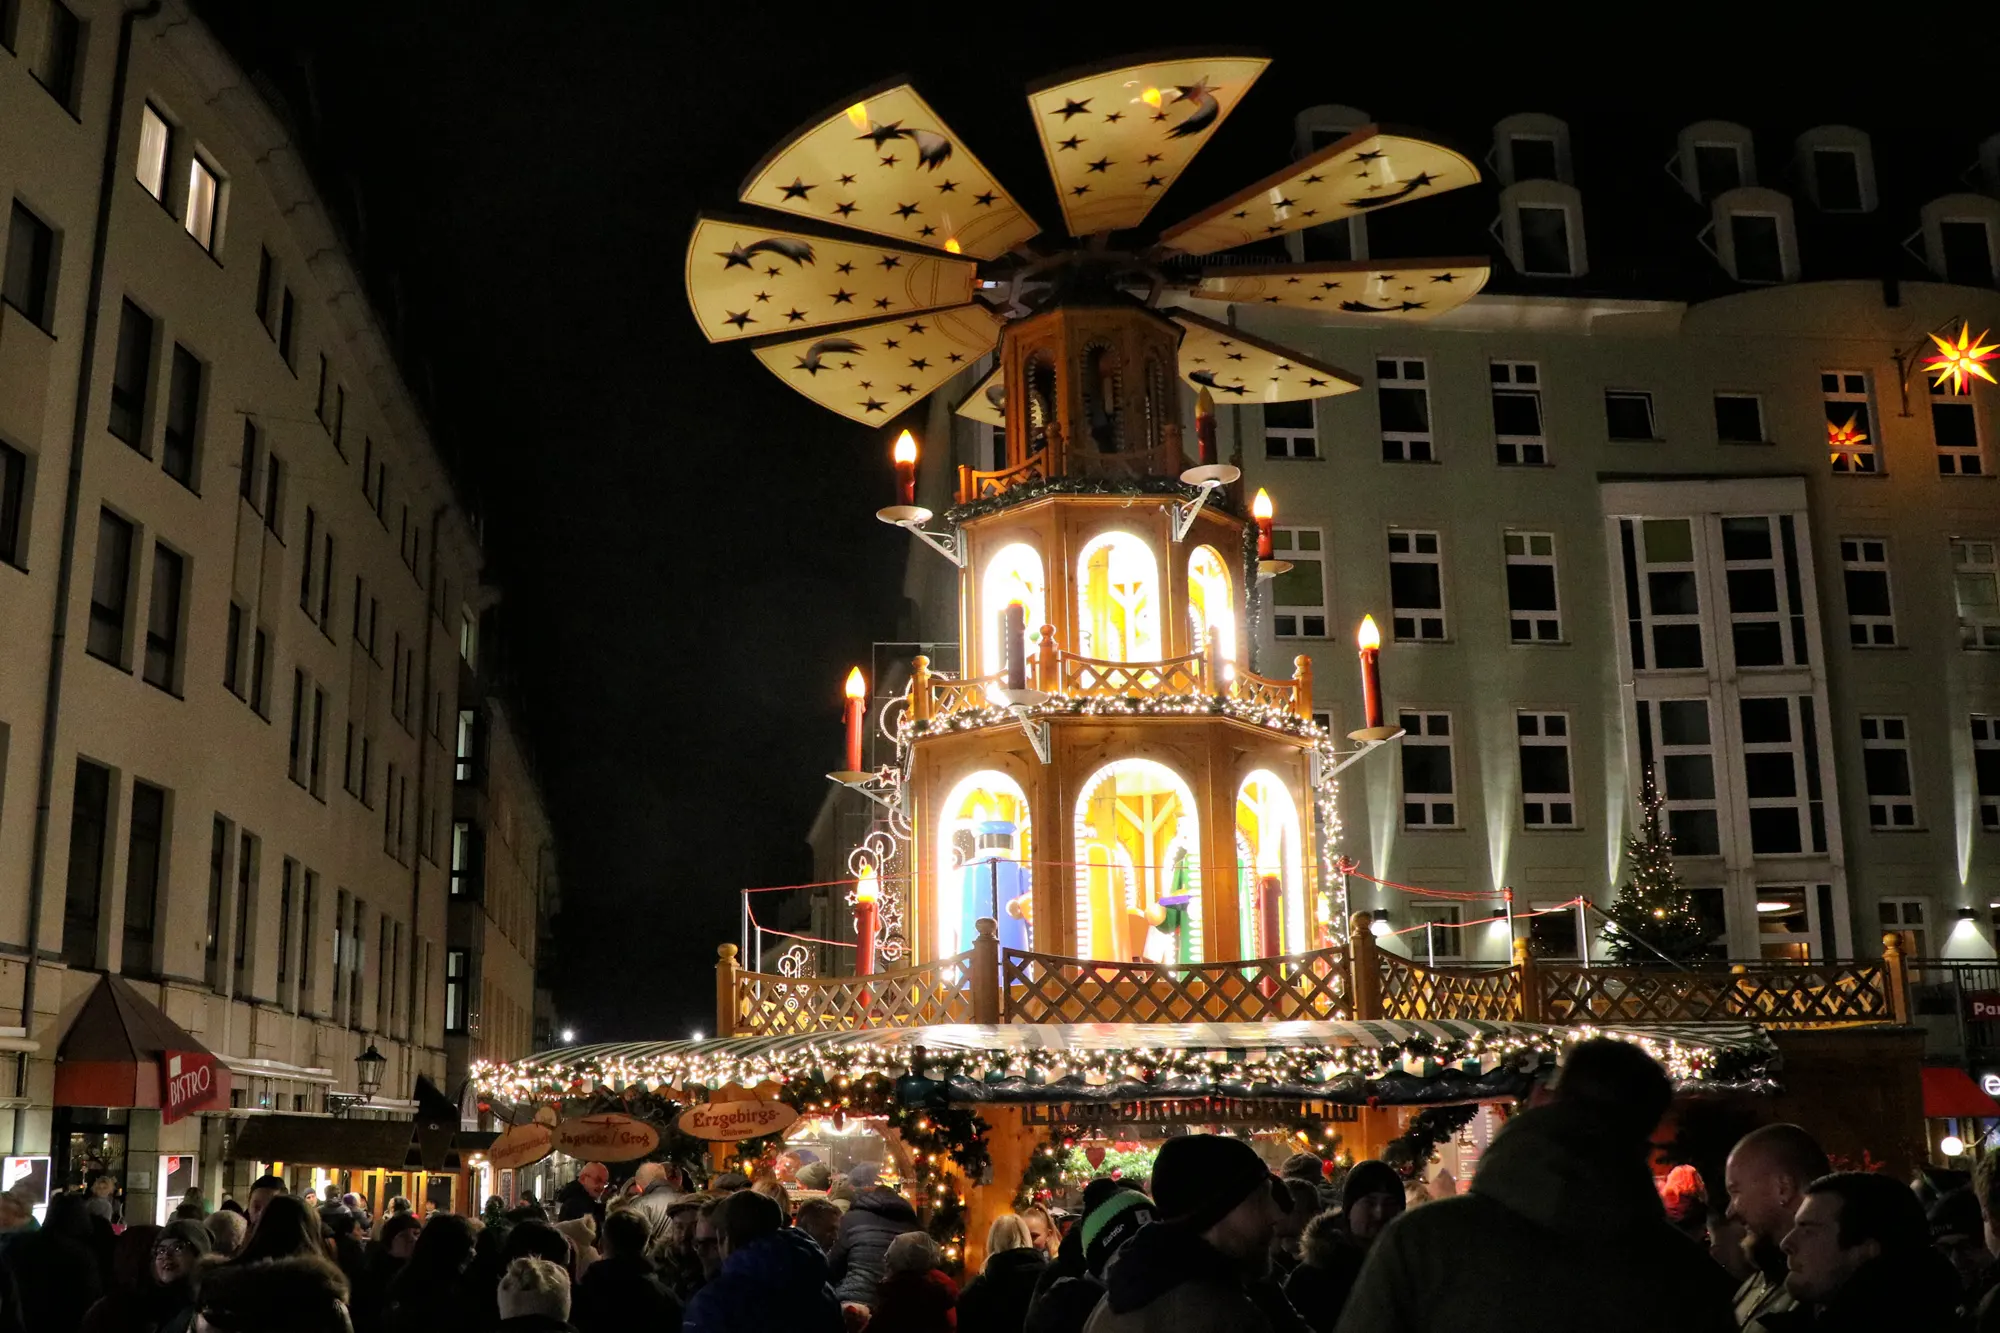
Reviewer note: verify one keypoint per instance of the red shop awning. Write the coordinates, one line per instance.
(122, 1051)
(1950, 1094)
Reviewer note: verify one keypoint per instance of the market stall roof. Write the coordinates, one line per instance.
(121, 1050)
(1383, 1062)
(317, 1140)
(1950, 1094)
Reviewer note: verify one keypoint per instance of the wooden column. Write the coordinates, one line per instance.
(986, 972)
(725, 990)
(1215, 785)
(1896, 976)
(1365, 964)
(920, 688)
(1302, 697)
(1529, 977)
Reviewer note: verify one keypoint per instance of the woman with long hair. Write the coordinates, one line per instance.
(427, 1296)
(996, 1301)
(288, 1226)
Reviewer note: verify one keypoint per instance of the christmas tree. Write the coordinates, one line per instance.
(1653, 909)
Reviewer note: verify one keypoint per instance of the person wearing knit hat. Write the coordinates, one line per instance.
(1192, 1270)
(1072, 1286)
(1334, 1244)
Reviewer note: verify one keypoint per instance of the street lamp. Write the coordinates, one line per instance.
(369, 1066)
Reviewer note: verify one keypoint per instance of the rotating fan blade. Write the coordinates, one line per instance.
(1396, 289)
(1237, 367)
(870, 372)
(746, 280)
(887, 164)
(1371, 168)
(988, 402)
(1117, 138)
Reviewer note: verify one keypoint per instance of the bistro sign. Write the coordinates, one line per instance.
(729, 1121)
(605, 1138)
(191, 1084)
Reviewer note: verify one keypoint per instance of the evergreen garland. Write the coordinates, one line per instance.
(1653, 909)
(1411, 1152)
(1166, 487)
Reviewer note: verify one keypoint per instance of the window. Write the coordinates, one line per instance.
(183, 432)
(1517, 414)
(308, 938)
(62, 45)
(130, 375)
(156, 151)
(468, 635)
(1871, 619)
(204, 203)
(319, 403)
(306, 570)
(1836, 174)
(288, 874)
(287, 328)
(1402, 396)
(468, 859)
(266, 270)
(1904, 918)
(1546, 797)
(367, 469)
(1534, 157)
(1767, 624)
(218, 886)
(1439, 933)
(246, 912)
(1662, 596)
(340, 947)
(1966, 247)
(340, 419)
(356, 963)
(1718, 167)
(1416, 585)
(1532, 616)
(83, 893)
(1427, 787)
(1976, 580)
(1545, 248)
(382, 495)
(1677, 746)
(163, 620)
(396, 676)
(316, 766)
(325, 616)
(233, 675)
(260, 657)
(1739, 419)
(1885, 762)
(1849, 426)
(457, 986)
(274, 495)
(1781, 775)
(1628, 416)
(1758, 249)
(145, 848)
(1955, 428)
(468, 745)
(389, 810)
(1298, 596)
(110, 589)
(31, 253)
(246, 467)
(1986, 767)
(384, 972)
(296, 750)
(13, 503)
(1288, 430)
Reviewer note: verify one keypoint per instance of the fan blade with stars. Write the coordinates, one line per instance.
(745, 280)
(988, 401)
(870, 372)
(887, 164)
(1400, 290)
(1117, 138)
(1234, 365)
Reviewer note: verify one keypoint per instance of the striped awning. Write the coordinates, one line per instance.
(1377, 1062)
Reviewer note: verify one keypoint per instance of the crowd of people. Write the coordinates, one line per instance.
(1564, 1227)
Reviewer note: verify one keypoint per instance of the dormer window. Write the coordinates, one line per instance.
(1958, 234)
(1714, 157)
(1531, 147)
(1315, 128)
(1541, 228)
(1839, 169)
(1751, 233)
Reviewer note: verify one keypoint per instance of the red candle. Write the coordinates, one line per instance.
(1204, 426)
(857, 703)
(866, 892)
(1260, 509)
(1370, 640)
(906, 468)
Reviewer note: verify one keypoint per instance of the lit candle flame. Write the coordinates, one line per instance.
(1151, 97)
(857, 685)
(1370, 638)
(1260, 508)
(867, 889)
(858, 116)
(952, 247)
(906, 448)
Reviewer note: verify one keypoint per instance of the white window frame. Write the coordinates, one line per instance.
(1737, 148)
(1445, 940)
(1707, 750)
(1536, 729)
(206, 230)
(1977, 559)
(1406, 446)
(1958, 460)
(1532, 548)
(1782, 234)
(1839, 139)
(1298, 545)
(1685, 166)
(1890, 811)
(1645, 396)
(1299, 443)
(1569, 237)
(1809, 938)
(1906, 914)
(1508, 229)
(1651, 620)
(153, 167)
(1862, 459)
(1787, 617)
(1420, 619)
(1429, 729)
(1537, 127)
(1519, 379)
(1985, 728)
(1805, 775)
(1763, 422)
(1868, 555)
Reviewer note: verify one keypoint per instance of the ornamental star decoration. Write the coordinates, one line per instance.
(1959, 361)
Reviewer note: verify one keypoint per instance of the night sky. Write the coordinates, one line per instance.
(686, 547)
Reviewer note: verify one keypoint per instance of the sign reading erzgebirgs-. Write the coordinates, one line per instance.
(729, 1121)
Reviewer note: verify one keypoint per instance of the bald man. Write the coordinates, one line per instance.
(1767, 1175)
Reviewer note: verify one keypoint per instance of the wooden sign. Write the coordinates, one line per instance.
(729, 1121)
(605, 1138)
(521, 1145)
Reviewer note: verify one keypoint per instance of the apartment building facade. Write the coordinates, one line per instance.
(233, 576)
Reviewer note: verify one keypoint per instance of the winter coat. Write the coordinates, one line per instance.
(1762, 1294)
(877, 1216)
(777, 1283)
(915, 1303)
(1562, 1232)
(623, 1294)
(653, 1206)
(997, 1300)
(56, 1269)
(1320, 1293)
(1910, 1294)
(573, 1201)
(1066, 1291)
(532, 1323)
(1167, 1279)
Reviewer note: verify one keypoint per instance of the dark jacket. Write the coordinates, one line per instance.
(1319, 1291)
(1910, 1294)
(914, 1303)
(623, 1294)
(876, 1217)
(1167, 1279)
(1066, 1291)
(532, 1323)
(1563, 1230)
(997, 1300)
(56, 1269)
(775, 1283)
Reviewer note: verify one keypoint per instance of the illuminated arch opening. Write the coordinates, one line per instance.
(1014, 574)
(1118, 599)
(1138, 874)
(985, 847)
(1269, 846)
(1211, 615)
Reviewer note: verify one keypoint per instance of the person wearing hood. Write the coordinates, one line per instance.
(622, 1290)
(1766, 1178)
(1070, 1288)
(1858, 1259)
(56, 1268)
(916, 1295)
(1333, 1246)
(773, 1277)
(1192, 1271)
(997, 1300)
(1561, 1231)
(878, 1216)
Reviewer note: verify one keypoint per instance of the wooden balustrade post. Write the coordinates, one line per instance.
(725, 990)
(1302, 693)
(1048, 668)
(986, 971)
(920, 688)
(1528, 975)
(1364, 960)
(1211, 661)
(964, 484)
(1896, 976)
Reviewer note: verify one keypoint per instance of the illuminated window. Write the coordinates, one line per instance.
(1014, 574)
(1271, 897)
(457, 986)
(1138, 878)
(1850, 426)
(156, 149)
(204, 203)
(1118, 600)
(1211, 615)
(1885, 763)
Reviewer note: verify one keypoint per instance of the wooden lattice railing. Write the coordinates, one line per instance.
(975, 485)
(1411, 991)
(949, 694)
(1093, 676)
(1773, 994)
(775, 1006)
(1252, 688)
(1044, 988)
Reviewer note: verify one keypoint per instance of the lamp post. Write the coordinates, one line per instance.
(368, 1071)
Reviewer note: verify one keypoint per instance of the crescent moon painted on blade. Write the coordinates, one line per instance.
(1410, 187)
(1207, 378)
(813, 361)
(799, 252)
(1206, 108)
(933, 150)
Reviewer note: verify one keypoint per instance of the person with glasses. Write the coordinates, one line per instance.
(177, 1256)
